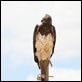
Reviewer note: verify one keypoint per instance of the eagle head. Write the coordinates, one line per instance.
(47, 20)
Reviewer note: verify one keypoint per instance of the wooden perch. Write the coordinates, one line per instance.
(44, 70)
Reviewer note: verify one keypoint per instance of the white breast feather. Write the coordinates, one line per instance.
(44, 45)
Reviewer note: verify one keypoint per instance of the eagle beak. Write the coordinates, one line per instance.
(42, 20)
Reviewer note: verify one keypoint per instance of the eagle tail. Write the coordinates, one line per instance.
(50, 63)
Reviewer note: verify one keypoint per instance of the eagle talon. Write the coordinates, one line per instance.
(43, 76)
(39, 77)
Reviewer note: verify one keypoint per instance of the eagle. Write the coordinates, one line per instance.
(44, 39)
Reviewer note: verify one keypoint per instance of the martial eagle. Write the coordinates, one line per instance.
(44, 39)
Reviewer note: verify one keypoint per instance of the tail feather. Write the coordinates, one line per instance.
(50, 63)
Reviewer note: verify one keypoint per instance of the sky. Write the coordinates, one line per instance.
(18, 20)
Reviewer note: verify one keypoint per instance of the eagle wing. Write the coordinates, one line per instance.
(34, 41)
(54, 38)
